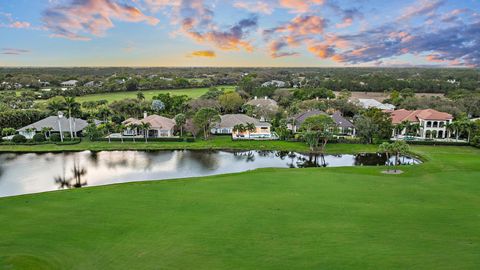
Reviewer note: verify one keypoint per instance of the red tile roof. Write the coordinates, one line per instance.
(401, 115)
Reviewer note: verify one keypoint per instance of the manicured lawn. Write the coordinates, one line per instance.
(323, 218)
(191, 92)
(221, 142)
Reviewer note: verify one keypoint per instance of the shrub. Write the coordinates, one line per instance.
(55, 137)
(38, 138)
(19, 139)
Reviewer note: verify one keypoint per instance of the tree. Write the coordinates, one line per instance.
(398, 148)
(71, 106)
(8, 132)
(107, 128)
(140, 96)
(133, 127)
(230, 102)
(239, 128)
(56, 104)
(180, 121)
(46, 130)
(92, 132)
(385, 148)
(250, 127)
(157, 105)
(373, 124)
(317, 128)
(145, 126)
(121, 128)
(204, 118)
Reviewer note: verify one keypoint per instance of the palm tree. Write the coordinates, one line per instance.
(45, 131)
(239, 128)
(450, 128)
(250, 127)
(180, 121)
(133, 127)
(121, 128)
(71, 105)
(145, 126)
(467, 126)
(412, 129)
(398, 148)
(385, 148)
(140, 96)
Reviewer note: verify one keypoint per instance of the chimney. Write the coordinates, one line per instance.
(145, 115)
(255, 97)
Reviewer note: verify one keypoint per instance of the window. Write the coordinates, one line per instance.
(429, 124)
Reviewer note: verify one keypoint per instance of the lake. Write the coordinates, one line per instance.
(32, 173)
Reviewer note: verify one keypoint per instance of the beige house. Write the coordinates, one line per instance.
(229, 121)
(159, 126)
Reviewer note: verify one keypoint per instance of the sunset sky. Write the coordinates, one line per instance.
(239, 33)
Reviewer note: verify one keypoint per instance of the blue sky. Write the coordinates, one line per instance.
(239, 33)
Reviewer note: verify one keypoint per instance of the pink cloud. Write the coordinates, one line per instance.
(300, 6)
(7, 20)
(255, 6)
(420, 8)
(93, 17)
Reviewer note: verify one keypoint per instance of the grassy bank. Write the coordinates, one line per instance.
(149, 94)
(323, 218)
(217, 143)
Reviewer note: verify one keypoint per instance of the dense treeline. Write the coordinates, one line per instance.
(20, 118)
(420, 80)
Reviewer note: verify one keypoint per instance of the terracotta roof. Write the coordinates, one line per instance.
(401, 115)
(155, 121)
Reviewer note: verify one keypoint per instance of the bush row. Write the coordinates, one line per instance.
(188, 139)
(437, 143)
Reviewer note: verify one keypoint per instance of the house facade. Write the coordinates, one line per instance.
(55, 124)
(229, 121)
(264, 107)
(429, 123)
(344, 126)
(367, 103)
(160, 127)
(70, 83)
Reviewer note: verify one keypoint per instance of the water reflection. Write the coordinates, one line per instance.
(75, 181)
(29, 173)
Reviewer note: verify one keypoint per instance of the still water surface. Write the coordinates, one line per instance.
(31, 173)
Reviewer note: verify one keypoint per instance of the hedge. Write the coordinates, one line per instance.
(437, 143)
(167, 139)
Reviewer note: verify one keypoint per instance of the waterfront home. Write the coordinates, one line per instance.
(367, 103)
(264, 107)
(274, 83)
(159, 126)
(421, 124)
(54, 124)
(344, 126)
(228, 123)
(70, 83)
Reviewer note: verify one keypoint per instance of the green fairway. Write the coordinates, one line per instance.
(149, 94)
(322, 218)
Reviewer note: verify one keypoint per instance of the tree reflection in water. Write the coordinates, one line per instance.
(311, 161)
(76, 181)
(248, 156)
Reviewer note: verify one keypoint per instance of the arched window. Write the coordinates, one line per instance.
(440, 134)
(428, 134)
(441, 124)
(435, 124)
(429, 124)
